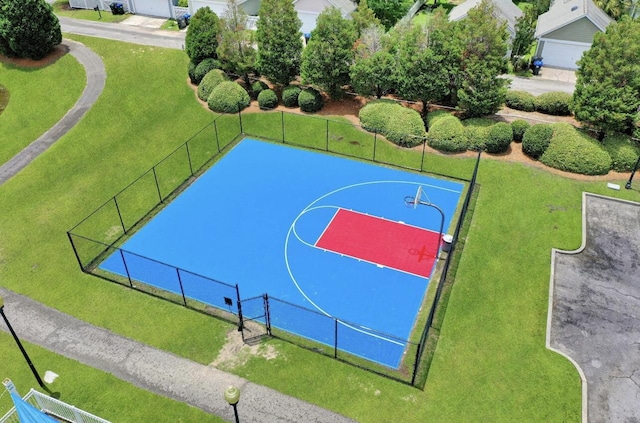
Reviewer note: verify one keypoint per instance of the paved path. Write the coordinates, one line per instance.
(594, 315)
(152, 369)
(96, 77)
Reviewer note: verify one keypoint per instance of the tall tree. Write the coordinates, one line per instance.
(201, 41)
(389, 11)
(329, 54)
(28, 28)
(373, 69)
(614, 8)
(420, 72)
(235, 43)
(607, 94)
(364, 17)
(483, 45)
(525, 34)
(279, 41)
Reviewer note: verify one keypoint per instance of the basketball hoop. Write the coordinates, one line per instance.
(411, 201)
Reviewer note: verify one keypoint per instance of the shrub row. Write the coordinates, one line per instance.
(228, 97)
(623, 151)
(536, 139)
(446, 132)
(209, 82)
(552, 103)
(574, 151)
(401, 125)
(310, 100)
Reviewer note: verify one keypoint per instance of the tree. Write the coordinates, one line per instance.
(483, 45)
(235, 43)
(28, 28)
(201, 41)
(607, 94)
(525, 34)
(420, 73)
(364, 17)
(329, 54)
(614, 8)
(389, 11)
(279, 41)
(373, 69)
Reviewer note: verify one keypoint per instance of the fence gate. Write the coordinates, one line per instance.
(254, 318)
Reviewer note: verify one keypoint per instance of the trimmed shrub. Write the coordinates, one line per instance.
(500, 137)
(519, 127)
(554, 103)
(574, 151)
(520, 100)
(257, 87)
(536, 140)
(201, 40)
(446, 133)
(623, 151)
(477, 132)
(290, 95)
(191, 70)
(28, 28)
(204, 67)
(267, 99)
(400, 125)
(209, 82)
(310, 100)
(228, 97)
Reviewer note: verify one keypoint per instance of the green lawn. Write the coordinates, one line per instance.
(62, 8)
(490, 364)
(46, 93)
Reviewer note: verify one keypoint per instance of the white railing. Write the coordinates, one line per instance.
(413, 10)
(55, 408)
(252, 22)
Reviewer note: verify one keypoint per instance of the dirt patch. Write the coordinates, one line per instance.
(55, 54)
(236, 353)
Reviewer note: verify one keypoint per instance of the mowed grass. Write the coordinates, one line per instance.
(490, 363)
(62, 8)
(38, 98)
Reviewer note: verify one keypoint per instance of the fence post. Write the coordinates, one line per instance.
(424, 151)
(240, 317)
(375, 141)
(416, 365)
(335, 338)
(119, 215)
(282, 120)
(189, 157)
(75, 251)
(215, 127)
(326, 148)
(184, 299)
(126, 268)
(267, 314)
(155, 176)
(240, 119)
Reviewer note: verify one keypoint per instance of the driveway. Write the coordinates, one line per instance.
(550, 79)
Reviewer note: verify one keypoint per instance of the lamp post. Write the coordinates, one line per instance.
(628, 185)
(24, 352)
(232, 396)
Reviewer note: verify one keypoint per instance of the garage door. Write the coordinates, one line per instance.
(562, 55)
(159, 8)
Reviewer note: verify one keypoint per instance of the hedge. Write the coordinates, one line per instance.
(267, 99)
(519, 127)
(203, 68)
(209, 82)
(401, 125)
(446, 133)
(477, 132)
(520, 100)
(500, 137)
(624, 152)
(536, 139)
(257, 87)
(290, 95)
(310, 100)
(574, 151)
(228, 97)
(554, 103)
(191, 70)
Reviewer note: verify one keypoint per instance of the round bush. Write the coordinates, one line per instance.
(554, 103)
(623, 151)
(209, 82)
(191, 70)
(290, 95)
(310, 100)
(536, 140)
(520, 100)
(204, 67)
(446, 133)
(574, 151)
(257, 87)
(267, 99)
(519, 127)
(500, 137)
(400, 125)
(228, 97)
(374, 115)
(477, 131)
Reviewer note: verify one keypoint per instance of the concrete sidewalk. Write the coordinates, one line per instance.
(152, 369)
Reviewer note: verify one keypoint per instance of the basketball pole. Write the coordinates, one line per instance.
(424, 203)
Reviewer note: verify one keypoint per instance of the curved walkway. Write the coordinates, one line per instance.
(594, 309)
(96, 77)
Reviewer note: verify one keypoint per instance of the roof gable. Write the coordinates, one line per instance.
(505, 10)
(345, 6)
(565, 12)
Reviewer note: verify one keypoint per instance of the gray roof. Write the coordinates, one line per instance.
(346, 6)
(505, 9)
(564, 12)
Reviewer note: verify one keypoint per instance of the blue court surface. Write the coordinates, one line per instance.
(254, 219)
